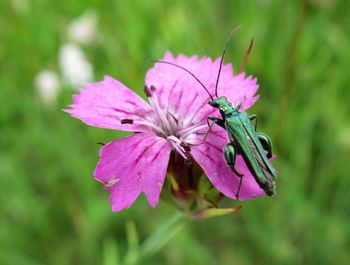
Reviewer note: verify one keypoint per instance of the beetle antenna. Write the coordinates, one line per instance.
(222, 58)
(188, 71)
(246, 56)
(239, 105)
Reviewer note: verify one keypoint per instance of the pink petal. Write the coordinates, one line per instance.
(238, 88)
(182, 94)
(131, 165)
(210, 157)
(104, 104)
(178, 91)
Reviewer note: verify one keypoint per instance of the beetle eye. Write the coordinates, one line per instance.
(213, 103)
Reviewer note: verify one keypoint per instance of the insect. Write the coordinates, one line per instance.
(255, 148)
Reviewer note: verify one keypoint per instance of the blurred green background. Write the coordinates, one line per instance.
(53, 212)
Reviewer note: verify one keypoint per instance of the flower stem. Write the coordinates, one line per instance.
(160, 237)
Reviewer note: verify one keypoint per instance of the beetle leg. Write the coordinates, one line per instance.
(230, 157)
(206, 133)
(266, 143)
(253, 117)
(215, 121)
(218, 121)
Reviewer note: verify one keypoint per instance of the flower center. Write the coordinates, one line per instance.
(165, 124)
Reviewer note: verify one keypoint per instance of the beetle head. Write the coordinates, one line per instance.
(218, 102)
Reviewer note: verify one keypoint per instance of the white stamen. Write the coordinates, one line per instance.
(195, 113)
(174, 139)
(172, 121)
(152, 125)
(193, 141)
(160, 113)
(179, 150)
(193, 129)
(165, 123)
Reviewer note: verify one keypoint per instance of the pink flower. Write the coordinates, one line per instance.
(165, 130)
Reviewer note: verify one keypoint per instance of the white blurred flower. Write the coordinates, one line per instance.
(83, 29)
(47, 85)
(75, 68)
(21, 6)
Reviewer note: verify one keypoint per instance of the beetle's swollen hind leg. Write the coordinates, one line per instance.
(230, 153)
(263, 138)
(253, 117)
(266, 143)
(230, 157)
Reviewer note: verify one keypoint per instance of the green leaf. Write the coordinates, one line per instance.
(162, 236)
(110, 252)
(132, 253)
(212, 212)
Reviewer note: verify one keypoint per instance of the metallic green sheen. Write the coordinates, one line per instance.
(246, 142)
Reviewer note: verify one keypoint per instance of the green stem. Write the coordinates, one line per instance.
(162, 236)
(154, 242)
